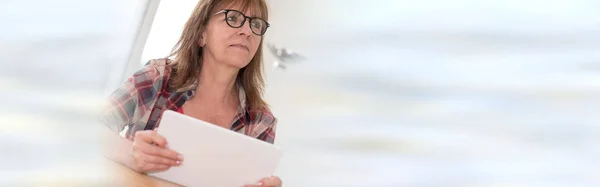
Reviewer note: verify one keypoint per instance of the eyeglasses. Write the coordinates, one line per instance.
(236, 19)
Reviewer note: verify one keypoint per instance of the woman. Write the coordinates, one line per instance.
(215, 76)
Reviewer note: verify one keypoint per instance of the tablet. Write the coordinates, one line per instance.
(214, 156)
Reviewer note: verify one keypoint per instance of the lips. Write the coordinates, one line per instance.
(240, 46)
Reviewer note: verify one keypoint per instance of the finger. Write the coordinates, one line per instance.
(254, 185)
(156, 167)
(160, 144)
(160, 160)
(159, 151)
(151, 137)
(141, 165)
(272, 181)
(167, 153)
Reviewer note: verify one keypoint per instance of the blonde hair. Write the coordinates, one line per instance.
(188, 53)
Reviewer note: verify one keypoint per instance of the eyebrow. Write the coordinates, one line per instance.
(253, 15)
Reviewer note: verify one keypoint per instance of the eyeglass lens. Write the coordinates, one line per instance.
(236, 19)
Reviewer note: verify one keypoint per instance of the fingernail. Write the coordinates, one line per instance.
(167, 146)
(180, 157)
(259, 183)
(178, 162)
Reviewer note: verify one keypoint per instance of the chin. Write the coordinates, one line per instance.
(238, 63)
(236, 60)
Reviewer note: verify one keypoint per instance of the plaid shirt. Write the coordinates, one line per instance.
(139, 103)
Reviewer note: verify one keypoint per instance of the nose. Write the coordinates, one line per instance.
(245, 29)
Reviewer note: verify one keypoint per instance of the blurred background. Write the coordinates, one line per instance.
(392, 92)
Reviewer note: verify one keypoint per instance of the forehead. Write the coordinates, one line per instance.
(251, 8)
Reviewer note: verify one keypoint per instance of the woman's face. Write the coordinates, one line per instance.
(231, 37)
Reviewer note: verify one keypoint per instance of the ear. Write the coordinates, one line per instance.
(202, 40)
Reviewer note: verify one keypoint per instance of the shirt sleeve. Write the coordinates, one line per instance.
(128, 103)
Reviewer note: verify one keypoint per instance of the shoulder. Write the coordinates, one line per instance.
(153, 70)
(151, 75)
(263, 115)
(148, 81)
(129, 102)
(263, 124)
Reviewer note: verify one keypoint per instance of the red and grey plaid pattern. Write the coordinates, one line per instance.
(139, 103)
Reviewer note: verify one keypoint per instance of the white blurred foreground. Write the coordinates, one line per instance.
(458, 96)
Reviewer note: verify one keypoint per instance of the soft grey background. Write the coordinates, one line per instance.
(393, 93)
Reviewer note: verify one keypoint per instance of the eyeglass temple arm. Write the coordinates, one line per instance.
(222, 11)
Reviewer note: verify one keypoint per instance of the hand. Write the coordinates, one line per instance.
(272, 181)
(150, 153)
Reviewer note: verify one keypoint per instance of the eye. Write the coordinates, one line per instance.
(256, 24)
(232, 18)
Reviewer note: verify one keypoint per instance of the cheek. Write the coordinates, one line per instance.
(255, 41)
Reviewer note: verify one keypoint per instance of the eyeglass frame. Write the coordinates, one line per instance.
(244, 21)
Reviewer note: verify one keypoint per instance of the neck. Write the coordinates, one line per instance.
(216, 83)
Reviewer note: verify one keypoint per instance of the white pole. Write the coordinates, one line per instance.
(120, 72)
